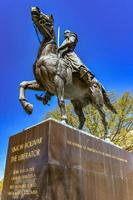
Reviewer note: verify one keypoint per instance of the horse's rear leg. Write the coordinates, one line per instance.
(97, 99)
(60, 94)
(79, 111)
(103, 118)
(31, 85)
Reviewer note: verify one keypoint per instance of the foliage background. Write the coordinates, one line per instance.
(120, 126)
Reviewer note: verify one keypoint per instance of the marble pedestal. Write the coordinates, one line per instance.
(51, 161)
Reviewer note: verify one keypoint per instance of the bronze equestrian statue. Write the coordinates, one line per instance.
(60, 72)
(66, 50)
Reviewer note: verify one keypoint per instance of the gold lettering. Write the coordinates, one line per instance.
(28, 155)
(27, 145)
(33, 143)
(23, 183)
(17, 148)
(95, 151)
(14, 158)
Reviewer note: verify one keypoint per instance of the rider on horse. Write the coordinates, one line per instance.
(66, 51)
(51, 71)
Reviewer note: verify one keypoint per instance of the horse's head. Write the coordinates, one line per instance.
(43, 22)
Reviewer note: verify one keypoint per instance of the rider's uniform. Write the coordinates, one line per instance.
(67, 52)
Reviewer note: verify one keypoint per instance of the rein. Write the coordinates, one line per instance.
(36, 31)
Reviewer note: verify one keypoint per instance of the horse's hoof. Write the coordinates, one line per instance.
(106, 137)
(80, 127)
(29, 108)
(64, 119)
(108, 140)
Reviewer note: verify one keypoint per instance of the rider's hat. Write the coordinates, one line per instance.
(67, 31)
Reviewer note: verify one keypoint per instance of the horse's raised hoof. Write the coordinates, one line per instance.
(29, 108)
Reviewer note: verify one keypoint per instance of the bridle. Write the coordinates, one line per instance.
(36, 31)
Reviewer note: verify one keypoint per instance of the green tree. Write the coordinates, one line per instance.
(123, 122)
(72, 118)
(1, 185)
(120, 126)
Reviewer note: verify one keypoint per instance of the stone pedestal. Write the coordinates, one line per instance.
(51, 161)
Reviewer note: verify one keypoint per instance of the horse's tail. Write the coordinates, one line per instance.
(107, 101)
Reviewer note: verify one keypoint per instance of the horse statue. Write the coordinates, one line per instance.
(56, 77)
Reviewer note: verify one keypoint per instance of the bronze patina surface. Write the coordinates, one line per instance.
(60, 72)
(55, 162)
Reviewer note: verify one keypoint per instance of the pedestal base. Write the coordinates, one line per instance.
(51, 161)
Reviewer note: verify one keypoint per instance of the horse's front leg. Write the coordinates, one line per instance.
(60, 94)
(31, 85)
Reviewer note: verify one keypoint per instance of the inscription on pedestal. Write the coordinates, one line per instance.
(55, 162)
(24, 162)
(23, 180)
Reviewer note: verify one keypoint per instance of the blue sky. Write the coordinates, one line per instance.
(105, 31)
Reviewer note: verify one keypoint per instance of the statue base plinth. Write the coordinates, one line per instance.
(51, 161)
